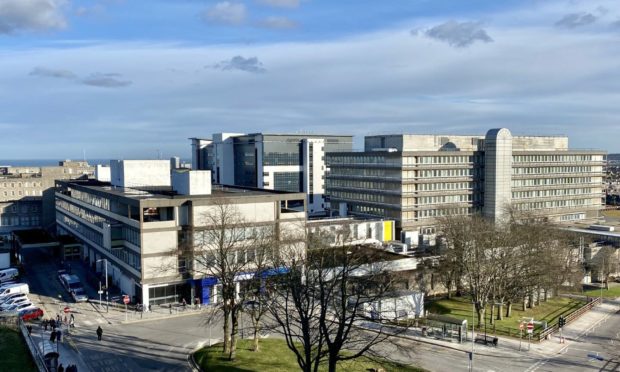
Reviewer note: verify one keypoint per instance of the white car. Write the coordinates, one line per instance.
(15, 302)
(18, 307)
(10, 297)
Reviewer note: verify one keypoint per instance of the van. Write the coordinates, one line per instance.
(8, 274)
(15, 288)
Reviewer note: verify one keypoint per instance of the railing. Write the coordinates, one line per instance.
(569, 318)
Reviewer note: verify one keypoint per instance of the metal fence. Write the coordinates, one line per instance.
(569, 318)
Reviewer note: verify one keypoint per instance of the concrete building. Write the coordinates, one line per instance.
(147, 231)
(27, 197)
(286, 162)
(414, 179)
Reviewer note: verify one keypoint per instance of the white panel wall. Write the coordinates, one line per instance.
(253, 212)
(159, 242)
(133, 173)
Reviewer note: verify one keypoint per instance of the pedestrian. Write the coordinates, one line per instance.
(29, 328)
(53, 336)
(170, 307)
(45, 323)
(61, 368)
(150, 309)
(58, 335)
(99, 333)
(72, 323)
(65, 320)
(184, 304)
(72, 316)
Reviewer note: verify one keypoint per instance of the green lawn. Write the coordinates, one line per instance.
(612, 292)
(611, 213)
(460, 307)
(275, 356)
(14, 355)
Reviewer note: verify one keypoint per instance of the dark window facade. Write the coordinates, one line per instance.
(287, 181)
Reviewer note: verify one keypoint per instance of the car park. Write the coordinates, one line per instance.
(31, 313)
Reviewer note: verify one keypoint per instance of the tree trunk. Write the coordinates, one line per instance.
(509, 310)
(226, 331)
(256, 333)
(500, 315)
(524, 303)
(531, 300)
(480, 313)
(234, 317)
(491, 318)
(332, 363)
(537, 298)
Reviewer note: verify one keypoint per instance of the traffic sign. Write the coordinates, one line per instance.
(67, 309)
(100, 292)
(125, 299)
(530, 327)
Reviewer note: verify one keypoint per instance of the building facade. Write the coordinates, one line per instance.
(27, 197)
(285, 162)
(414, 179)
(147, 232)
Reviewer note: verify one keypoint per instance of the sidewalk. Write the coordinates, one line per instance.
(67, 351)
(572, 333)
(115, 315)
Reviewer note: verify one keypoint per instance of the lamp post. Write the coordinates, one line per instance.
(107, 303)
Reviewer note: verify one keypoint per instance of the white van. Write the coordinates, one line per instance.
(15, 288)
(8, 274)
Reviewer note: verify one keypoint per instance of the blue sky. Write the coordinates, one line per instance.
(129, 78)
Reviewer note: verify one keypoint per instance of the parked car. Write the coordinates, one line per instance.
(8, 274)
(14, 301)
(14, 288)
(31, 313)
(11, 296)
(18, 307)
(79, 295)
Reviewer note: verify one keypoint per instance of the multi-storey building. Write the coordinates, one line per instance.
(147, 223)
(26, 194)
(286, 162)
(416, 178)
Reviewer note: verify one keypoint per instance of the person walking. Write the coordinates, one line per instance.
(61, 368)
(29, 328)
(99, 333)
(59, 335)
(72, 323)
(184, 304)
(45, 323)
(53, 336)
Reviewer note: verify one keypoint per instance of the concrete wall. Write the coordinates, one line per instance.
(187, 182)
(542, 143)
(135, 173)
(497, 173)
(102, 173)
(415, 142)
(253, 212)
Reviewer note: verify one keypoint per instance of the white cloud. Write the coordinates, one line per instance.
(458, 34)
(105, 80)
(53, 73)
(280, 3)
(279, 23)
(31, 15)
(240, 63)
(574, 20)
(226, 12)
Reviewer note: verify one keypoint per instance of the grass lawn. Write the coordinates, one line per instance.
(460, 307)
(14, 355)
(611, 213)
(275, 356)
(612, 292)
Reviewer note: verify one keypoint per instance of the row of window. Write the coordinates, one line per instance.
(20, 221)
(24, 208)
(431, 213)
(91, 199)
(559, 169)
(439, 199)
(553, 192)
(555, 158)
(367, 172)
(128, 256)
(363, 184)
(451, 159)
(555, 181)
(84, 214)
(557, 204)
(573, 217)
(359, 196)
(22, 193)
(443, 186)
(85, 231)
(20, 184)
(430, 173)
(364, 159)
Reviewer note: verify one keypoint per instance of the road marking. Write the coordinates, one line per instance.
(88, 322)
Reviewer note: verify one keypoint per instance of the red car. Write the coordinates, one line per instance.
(31, 314)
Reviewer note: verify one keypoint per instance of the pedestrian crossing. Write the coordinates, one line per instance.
(89, 323)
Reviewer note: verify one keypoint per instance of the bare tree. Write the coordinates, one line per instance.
(321, 298)
(221, 251)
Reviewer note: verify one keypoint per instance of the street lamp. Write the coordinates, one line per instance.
(107, 303)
